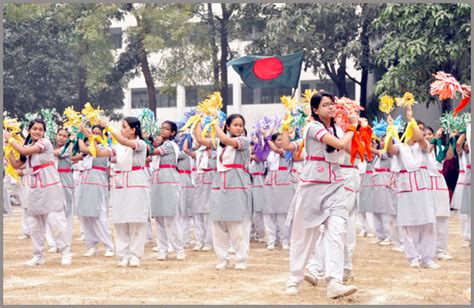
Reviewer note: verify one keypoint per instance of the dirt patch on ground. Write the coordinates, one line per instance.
(382, 276)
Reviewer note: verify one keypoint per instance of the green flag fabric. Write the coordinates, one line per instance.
(269, 71)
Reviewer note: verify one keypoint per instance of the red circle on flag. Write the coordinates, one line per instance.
(268, 69)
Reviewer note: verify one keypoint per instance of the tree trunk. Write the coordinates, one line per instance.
(224, 54)
(364, 57)
(340, 79)
(82, 74)
(215, 50)
(143, 57)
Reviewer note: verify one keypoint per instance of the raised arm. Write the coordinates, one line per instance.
(224, 138)
(199, 138)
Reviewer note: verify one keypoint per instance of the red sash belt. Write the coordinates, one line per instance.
(318, 158)
(99, 168)
(167, 166)
(185, 171)
(64, 170)
(134, 168)
(348, 166)
(256, 173)
(382, 170)
(35, 168)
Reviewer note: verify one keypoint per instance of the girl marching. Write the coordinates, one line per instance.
(130, 197)
(231, 196)
(319, 200)
(45, 202)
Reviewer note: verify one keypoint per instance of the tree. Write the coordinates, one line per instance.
(420, 39)
(326, 31)
(57, 55)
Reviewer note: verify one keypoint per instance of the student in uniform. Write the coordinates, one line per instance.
(257, 170)
(166, 193)
(45, 204)
(279, 191)
(319, 200)
(130, 197)
(91, 200)
(205, 173)
(64, 165)
(415, 204)
(187, 189)
(231, 197)
(440, 191)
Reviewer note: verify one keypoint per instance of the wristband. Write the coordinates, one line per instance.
(80, 135)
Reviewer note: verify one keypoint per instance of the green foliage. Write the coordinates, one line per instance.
(417, 41)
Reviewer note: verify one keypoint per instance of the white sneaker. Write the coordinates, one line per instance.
(362, 233)
(123, 262)
(292, 288)
(261, 240)
(241, 266)
(81, 238)
(198, 246)
(385, 242)
(444, 256)
(206, 248)
(162, 256)
(23, 237)
(336, 289)
(180, 256)
(231, 250)
(271, 247)
(223, 265)
(430, 264)
(90, 253)
(35, 261)
(415, 264)
(53, 249)
(109, 253)
(134, 262)
(156, 249)
(369, 235)
(311, 278)
(66, 259)
(170, 249)
(466, 244)
(285, 246)
(398, 249)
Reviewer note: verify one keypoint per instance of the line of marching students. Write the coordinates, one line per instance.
(217, 192)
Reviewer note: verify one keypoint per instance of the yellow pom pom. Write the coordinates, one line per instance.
(407, 100)
(306, 97)
(386, 104)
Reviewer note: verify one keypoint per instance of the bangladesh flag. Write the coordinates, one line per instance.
(269, 72)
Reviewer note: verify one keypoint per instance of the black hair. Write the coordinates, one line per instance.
(30, 125)
(275, 136)
(134, 122)
(173, 127)
(97, 126)
(430, 129)
(420, 122)
(315, 101)
(229, 121)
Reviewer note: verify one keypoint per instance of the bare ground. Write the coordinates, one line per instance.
(381, 275)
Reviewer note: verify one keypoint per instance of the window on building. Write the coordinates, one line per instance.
(273, 95)
(164, 99)
(116, 37)
(196, 94)
(247, 95)
(328, 86)
(139, 98)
